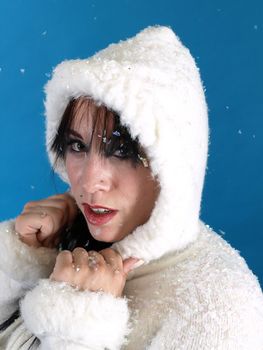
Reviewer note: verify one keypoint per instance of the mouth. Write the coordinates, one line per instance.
(97, 214)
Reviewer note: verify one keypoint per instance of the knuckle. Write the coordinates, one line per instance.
(54, 196)
(65, 252)
(49, 222)
(58, 214)
(63, 204)
(113, 253)
(79, 250)
(101, 268)
(95, 256)
(60, 196)
(57, 211)
(106, 251)
(30, 204)
(93, 253)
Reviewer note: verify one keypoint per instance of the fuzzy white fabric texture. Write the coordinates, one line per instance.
(96, 320)
(152, 82)
(11, 292)
(21, 262)
(203, 297)
(21, 267)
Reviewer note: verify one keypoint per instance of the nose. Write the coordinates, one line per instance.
(96, 174)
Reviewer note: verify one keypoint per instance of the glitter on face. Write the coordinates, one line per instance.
(97, 232)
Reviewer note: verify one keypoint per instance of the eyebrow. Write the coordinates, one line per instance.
(74, 133)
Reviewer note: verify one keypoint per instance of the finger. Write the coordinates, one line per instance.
(80, 257)
(112, 258)
(57, 214)
(34, 227)
(130, 263)
(27, 226)
(65, 202)
(63, 267)
(64, 259)
(41, 222)
(45, 203)
(30, 240)
(95, 260)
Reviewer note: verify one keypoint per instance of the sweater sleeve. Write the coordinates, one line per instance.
(63, 317)
(21, 267)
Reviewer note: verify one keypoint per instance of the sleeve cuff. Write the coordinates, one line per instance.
(21, 262)
(56, 310)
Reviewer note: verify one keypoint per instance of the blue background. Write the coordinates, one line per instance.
(226, 39)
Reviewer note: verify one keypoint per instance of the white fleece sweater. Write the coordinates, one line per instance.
(203, 297)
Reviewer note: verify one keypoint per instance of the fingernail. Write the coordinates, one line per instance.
(138, 263)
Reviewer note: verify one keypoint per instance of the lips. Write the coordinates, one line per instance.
(98, 219)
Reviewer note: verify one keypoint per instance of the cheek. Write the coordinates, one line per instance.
(141, 192)
(144, 190)
(133, 185)
(72, 169)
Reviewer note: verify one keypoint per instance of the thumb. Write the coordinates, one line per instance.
(131, 263)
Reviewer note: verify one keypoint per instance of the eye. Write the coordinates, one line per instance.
(119, 154)
(75, 146)
(122, 152)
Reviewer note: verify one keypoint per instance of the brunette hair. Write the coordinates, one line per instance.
(114, 136)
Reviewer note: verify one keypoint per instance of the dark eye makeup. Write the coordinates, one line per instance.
(75, 145)
(119, 149)
(115, 140)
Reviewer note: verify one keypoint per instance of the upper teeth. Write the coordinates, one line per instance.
(100, 210)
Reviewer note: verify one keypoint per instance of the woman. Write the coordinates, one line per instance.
(123, 260)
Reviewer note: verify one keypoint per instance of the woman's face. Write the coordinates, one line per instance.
(114, 195)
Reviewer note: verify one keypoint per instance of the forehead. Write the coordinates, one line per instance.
(91, 120)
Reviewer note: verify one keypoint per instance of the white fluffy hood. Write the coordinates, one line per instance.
(152, 82)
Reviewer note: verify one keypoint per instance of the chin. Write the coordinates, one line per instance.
(101, 234)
